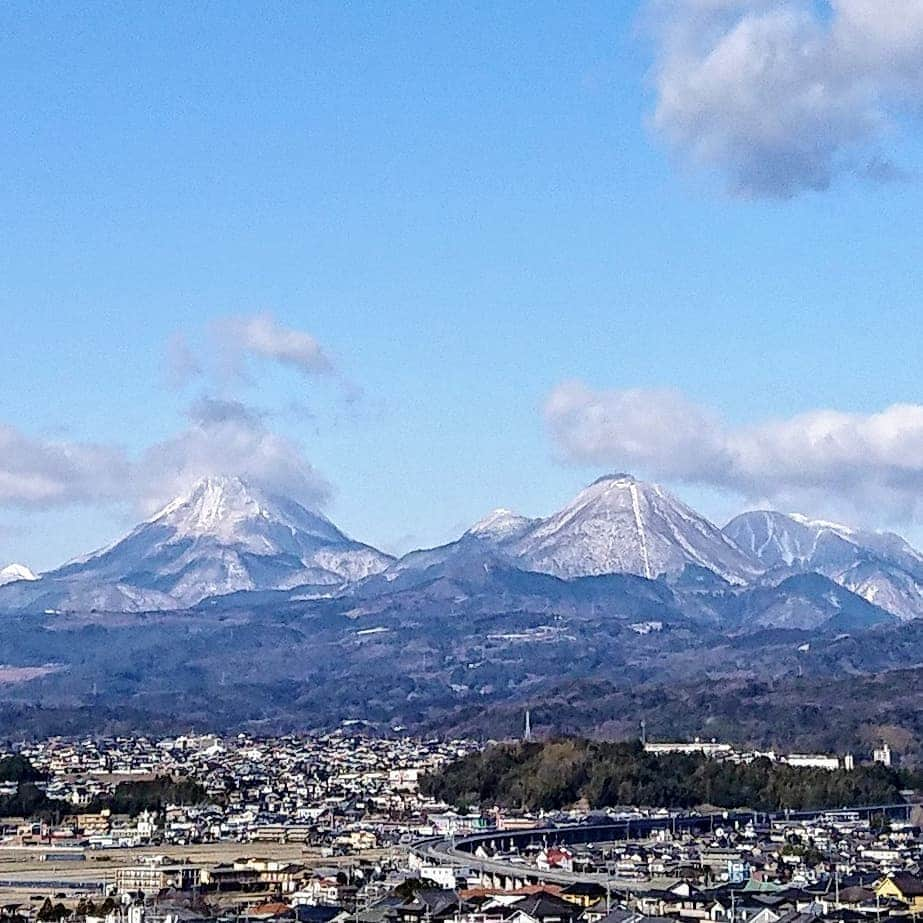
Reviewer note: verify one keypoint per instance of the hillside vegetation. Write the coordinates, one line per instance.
(560, 773)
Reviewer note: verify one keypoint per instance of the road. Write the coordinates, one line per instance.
(460, 853)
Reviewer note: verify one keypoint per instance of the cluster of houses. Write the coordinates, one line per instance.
(718, 750)
(345, 810)
(279, 894)
(341, 791)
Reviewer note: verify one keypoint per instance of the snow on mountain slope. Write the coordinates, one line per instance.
(501, 526)
(13, 572)
(232, 512)
(777, 540)
(484, 542)
(879, 566)
(223, 536)
(622, 525)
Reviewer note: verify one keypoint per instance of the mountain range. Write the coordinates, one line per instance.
(229, 540)
(236, 608)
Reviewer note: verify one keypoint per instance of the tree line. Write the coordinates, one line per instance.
(560, 773)
(129, 797)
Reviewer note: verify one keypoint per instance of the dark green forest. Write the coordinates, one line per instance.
(560, 773)
(151, 795)
(30, 801)
(17, 768)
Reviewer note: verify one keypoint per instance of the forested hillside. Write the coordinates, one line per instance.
(560, 773)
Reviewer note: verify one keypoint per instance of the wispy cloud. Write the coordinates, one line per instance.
(232, 349)
(781, 95)
(220, 435)
(822, 460)
(261, 336)
(182, 364)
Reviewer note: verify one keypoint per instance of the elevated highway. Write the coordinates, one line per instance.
(476, 851)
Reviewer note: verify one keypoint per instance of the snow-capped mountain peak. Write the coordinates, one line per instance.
(211, 502)
(879, 566)
(13, 572)
(500, 525)
(777, 539)
(622, 524)
(222, 536)
(225, 508)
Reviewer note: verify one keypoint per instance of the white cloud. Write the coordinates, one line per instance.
(645, 429)
(221, 437)
(824, 460)
(262, 336)
(226, 437)
(38, 473)
(781, 95)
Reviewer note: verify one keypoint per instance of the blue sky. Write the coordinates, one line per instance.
(465, 205)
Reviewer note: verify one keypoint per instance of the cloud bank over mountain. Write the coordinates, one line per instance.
(225, 437)
(780, 96)
(869, 463)
(220, 435)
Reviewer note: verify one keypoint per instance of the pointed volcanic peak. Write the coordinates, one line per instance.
(232, 511)
(880, 566)
(622, 525)
(13, 572)
(225, 535)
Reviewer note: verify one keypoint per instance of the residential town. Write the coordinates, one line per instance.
(336, 792)
(336, 828)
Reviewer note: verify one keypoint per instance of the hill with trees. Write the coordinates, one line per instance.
(560, 773)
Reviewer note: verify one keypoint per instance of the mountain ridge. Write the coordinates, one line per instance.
(619, 524)
(881, 567)
(470, 626)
